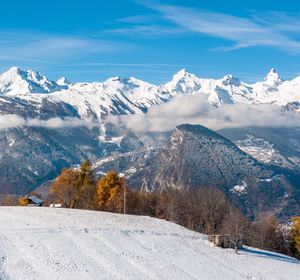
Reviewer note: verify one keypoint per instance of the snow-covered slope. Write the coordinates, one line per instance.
(46, 243)
(127, 96)
(230, 90)
(115, 95)
(227, 90)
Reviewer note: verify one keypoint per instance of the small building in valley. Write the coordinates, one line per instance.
(226, 241)
(55, 205)
(34, 201)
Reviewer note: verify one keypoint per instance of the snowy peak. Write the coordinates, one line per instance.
(124, 81)
(17, 81)
(11, 75)
(230, 80)
(115, 79)
(183, 75)
(183, 82)
(272, 79)
(273, 74)
(127, 86)
(120, 95)
(63, 81)
(15, 73)
(12, 72)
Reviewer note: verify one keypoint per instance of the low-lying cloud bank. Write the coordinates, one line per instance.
(197, 110)
(13, 121)
(180, 110)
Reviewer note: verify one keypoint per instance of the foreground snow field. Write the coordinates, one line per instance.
(47, 243)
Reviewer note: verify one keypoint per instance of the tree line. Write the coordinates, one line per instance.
(205, 209)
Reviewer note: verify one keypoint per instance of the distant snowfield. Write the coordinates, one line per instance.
(47, 243)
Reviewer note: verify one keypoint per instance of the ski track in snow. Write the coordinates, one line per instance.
(47, 243)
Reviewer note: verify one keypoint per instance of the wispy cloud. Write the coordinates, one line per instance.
(139, 18)
(33, 46)
(272, 30)
(153, 30)
(281, 21)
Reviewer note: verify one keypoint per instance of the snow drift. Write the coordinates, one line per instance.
(47, 243)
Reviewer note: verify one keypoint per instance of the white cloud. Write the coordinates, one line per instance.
(138, 18)
(10, 121)
(281, 21)
(14, 121)
(197, 110)
(269, 29)
(33, 46)
(182, 109)
(152, 30)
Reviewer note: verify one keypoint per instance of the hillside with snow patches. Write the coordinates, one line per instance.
(49, 243)
(125, 96)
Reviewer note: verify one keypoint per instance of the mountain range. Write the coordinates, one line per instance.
(126, 96)
(251, 164)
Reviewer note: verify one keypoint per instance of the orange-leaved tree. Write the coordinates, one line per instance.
(75, 187)
(23, 201)
(110, 190)
(296, 234)
(63, 188)
(85, 186)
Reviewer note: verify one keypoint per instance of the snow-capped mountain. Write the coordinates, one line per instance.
(127, 96)
(46, 151)
(227, 90)
(63, 81)
(116, 96)
(230, 90)
(18, 82)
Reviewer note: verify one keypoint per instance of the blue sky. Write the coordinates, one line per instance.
(93, 40)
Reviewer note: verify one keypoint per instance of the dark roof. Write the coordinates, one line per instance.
(35, 200)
